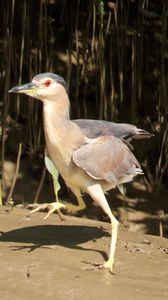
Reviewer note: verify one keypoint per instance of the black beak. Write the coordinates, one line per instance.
(25, 88)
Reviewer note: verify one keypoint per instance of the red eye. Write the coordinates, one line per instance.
(47, 83)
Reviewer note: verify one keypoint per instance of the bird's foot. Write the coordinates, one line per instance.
(109, 265)
(51, 207)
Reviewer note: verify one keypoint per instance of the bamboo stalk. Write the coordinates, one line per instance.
(40, 185)
(0, 192)
(15, 175)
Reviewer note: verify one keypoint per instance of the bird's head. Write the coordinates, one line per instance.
(44, 86)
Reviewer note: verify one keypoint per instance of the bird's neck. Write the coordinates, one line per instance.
(62, 135)
(57, 108)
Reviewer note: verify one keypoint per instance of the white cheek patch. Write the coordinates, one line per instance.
(40, 92)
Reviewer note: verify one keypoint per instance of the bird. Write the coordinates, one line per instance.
(92, 165)
(93, 129)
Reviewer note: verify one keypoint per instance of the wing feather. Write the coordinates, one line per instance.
(106, 158)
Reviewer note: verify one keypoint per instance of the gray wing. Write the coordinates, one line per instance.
(95, 128)
(106, 158)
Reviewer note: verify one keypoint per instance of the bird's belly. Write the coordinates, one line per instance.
(82, 180)
(72, 174)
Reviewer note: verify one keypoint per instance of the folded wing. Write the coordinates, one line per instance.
(106, 158)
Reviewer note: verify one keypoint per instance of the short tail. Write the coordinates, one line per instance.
(142, 134)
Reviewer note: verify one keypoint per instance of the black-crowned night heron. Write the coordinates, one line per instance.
(92, 165)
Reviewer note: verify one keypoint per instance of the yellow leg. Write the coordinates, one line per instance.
(72, 208)
(81, 203)
(96, 192)
(110, 262)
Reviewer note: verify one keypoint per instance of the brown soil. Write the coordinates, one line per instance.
(140, 211)
(53, 259)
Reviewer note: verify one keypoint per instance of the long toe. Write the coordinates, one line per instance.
(55, 206)
(51, 207)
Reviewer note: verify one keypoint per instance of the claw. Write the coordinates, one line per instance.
(55, 206)
(51, 207)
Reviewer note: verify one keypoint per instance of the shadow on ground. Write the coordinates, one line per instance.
(46, 235)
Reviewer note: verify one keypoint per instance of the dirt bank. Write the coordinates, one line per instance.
(53, 259)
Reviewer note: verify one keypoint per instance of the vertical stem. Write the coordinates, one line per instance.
(77, 58)
(21, 55)
(112, 95)
(40, 185)
(134, 79)
(160, 229)
(16, 173)
(0, 192)
(7, 58)
(121, 50)
(101, 61)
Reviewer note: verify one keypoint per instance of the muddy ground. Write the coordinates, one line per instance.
(54, 259)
